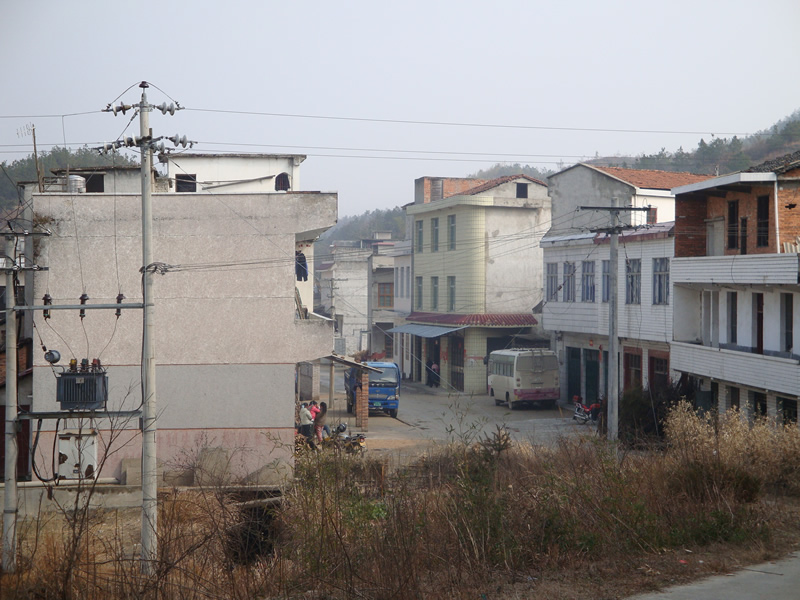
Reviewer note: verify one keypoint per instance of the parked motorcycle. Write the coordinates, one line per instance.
(585, 413)
(355, 444)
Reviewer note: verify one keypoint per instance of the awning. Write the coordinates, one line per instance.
(426, 331)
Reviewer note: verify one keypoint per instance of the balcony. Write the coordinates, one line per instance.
(751, 269)
(758, 371)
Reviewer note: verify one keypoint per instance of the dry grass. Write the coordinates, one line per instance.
(508, 521)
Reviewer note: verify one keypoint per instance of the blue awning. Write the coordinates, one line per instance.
(426, 331)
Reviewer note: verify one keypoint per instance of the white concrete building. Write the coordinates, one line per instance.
(402, 305)
(576, 276)
(477, 272)
(736, 274)
(577, 268)
(229, 330)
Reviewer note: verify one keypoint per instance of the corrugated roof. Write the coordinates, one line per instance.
(476, 320)
(654, 180)
(426, 331)
(779, 165)
(479, 189)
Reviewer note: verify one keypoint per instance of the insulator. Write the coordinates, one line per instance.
(84, 365)
(83, 300)
(47, 299)
(164, 108)
(73, 364)
(120, 298)
(123, 108)
(160, 147)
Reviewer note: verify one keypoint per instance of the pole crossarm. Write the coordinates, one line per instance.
(131, 305)
(615, 208)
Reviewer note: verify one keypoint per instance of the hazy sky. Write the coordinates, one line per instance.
(561, 69)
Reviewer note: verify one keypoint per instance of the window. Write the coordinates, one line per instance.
(386, 295)
(552, 282)
(522, 190)
(660, 281)
(787, 322)
(451, 232)
(388, 345)
(569, 282)
(420, 228)
(434, 293)
(587, 281)
(652, 215)
(396, 281)
(435, 235)
(185, 183)
(733, 393)
(759, 404)
(733, 224)
(762, 222)
(606, 280)
(733, 316)
(451, 293)
(398, 288)
(282, 182)
(95, 183)
(418, 303)
(408, 282)
(659, 373)
(788, 407)
(633, 281)
(633, 371)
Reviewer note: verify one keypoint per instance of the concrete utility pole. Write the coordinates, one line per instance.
(10, 476)
(149, 427)
(613, 333)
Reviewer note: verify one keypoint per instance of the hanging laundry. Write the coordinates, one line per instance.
(300, 266)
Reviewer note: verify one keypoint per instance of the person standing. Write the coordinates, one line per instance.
(319, 420)
(429, 373)
(306, 424)
(435, 369)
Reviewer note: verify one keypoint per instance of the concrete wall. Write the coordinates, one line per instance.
(351, 294)
(215, 173)
(226, 338)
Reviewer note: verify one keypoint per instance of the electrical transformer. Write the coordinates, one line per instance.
(84, 387)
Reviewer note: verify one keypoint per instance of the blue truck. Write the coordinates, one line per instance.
(384, 387)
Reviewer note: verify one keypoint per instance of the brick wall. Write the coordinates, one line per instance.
(690, 227)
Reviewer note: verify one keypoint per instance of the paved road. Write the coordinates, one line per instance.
(432, 415)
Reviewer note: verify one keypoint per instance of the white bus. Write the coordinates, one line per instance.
(524, 375)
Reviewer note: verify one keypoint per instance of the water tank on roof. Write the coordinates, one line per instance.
(76, 184)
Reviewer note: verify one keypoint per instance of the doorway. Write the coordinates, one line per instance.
(573, 373)
(592, 364)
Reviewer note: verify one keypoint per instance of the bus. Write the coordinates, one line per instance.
(524, 376)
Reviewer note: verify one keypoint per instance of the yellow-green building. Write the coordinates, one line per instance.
(477, 272)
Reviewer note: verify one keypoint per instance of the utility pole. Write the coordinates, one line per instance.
(10, 477)
(613, 328)
(149, 426)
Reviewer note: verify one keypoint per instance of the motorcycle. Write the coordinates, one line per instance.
(355, 444)
(585, 413)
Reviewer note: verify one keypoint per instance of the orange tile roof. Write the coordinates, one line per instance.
(493, 183)
(654, 180)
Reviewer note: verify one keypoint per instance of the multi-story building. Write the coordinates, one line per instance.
(230, 322)
(476, 274)
(577, 267)
(736, 272)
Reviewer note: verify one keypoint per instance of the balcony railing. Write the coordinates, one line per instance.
(751, 269)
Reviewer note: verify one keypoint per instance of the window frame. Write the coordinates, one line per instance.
(568, 285)
(633, 281)
(420, 241)
(522, 190)
(606, 275)
(762, 222)
(435, 234)
(386, 298)
(185, 183)
(733, 318)
(587, 281)
(451, 232)
(733, 225)
(434, 293)
(551, 281)
(451, 293)
(661, 281)
(418, 293)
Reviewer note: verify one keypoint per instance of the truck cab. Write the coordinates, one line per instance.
(384, 387)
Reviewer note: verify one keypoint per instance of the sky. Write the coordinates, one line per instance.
(378, 94)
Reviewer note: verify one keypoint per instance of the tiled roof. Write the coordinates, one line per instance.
(779, 165)
(654, 180)
(477, 320)
(493, 183)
